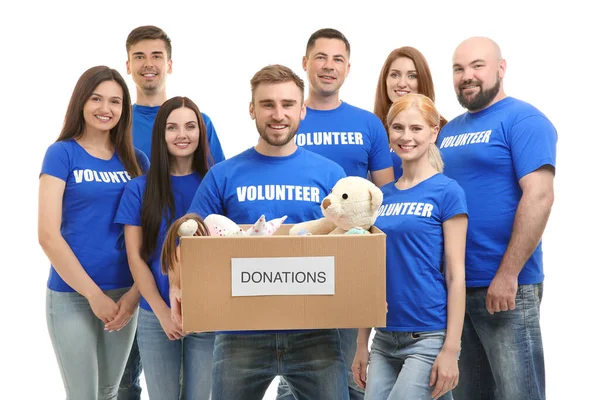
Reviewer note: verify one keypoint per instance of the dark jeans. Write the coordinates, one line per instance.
(502, 357)
(348, 342)
(311, 362)
(129, 388)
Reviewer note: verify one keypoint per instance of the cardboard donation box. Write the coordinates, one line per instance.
(283, 282)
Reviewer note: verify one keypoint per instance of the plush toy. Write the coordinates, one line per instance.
(212, 225)
(262, 227)
(351, 208)
(219, 225)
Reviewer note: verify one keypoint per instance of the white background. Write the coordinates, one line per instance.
(552, 62)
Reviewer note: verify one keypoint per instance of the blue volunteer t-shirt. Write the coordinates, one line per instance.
(143, 122)
(412, 220)
(130, 213)
(251, 184)
(92, 193)
(487, 153)
(352, 137)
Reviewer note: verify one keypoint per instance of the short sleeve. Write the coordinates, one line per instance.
(213, 140)
(379, 156)
(454, 201)
(129, 211)
(142, 160)
(208, 199)
(533, 144)
(57, 161)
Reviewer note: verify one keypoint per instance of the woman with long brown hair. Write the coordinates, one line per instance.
(150, 204)
(404, 71)
(90, 298)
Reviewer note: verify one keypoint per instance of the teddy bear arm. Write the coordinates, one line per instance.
(319, 226)
(338, 231)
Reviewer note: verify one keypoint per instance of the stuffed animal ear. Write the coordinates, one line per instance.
(276, 223)
(376, 197)
(262, 227)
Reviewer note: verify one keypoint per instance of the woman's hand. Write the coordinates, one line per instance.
(359, 365)
(128, 304)
(172, 329)
(103, 307)
(444, 373)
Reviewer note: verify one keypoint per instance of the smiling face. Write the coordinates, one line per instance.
(149, 65)
(182, 132)
(411, 136)
(401, 78)
(478, 71)
(277, 109)
(103, 109)
(326, 65)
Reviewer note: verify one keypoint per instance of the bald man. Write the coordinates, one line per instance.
(502, 151)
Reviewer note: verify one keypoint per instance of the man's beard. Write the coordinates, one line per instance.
(151, 88)
(481, 99)
(280, 142)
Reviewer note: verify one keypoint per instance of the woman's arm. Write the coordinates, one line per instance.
(59, 253)
(361, 359)
(144, 280)
(444, 373)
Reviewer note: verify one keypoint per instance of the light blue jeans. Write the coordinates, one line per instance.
(348, 345)
(91, 360)
(400, 365)
(165, 360)
(310, 361)
(502, 356)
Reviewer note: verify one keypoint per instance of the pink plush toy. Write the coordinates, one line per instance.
(219, 225)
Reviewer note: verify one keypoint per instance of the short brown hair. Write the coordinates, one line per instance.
(326, 33)
(148, 32)
(276, 74)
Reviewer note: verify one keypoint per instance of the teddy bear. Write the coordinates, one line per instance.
(351, 207)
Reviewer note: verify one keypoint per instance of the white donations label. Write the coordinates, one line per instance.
(275, 276)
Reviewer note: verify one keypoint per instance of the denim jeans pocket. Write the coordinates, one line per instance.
(428, 334)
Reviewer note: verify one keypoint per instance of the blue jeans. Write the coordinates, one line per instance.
(129, 388)
(310, 361)
(400, 365)
(165, 361)
(348, 343)
(502, 355)
(91, 360)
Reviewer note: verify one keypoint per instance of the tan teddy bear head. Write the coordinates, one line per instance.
(352, 203)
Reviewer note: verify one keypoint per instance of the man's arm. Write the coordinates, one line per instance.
(530, 221)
